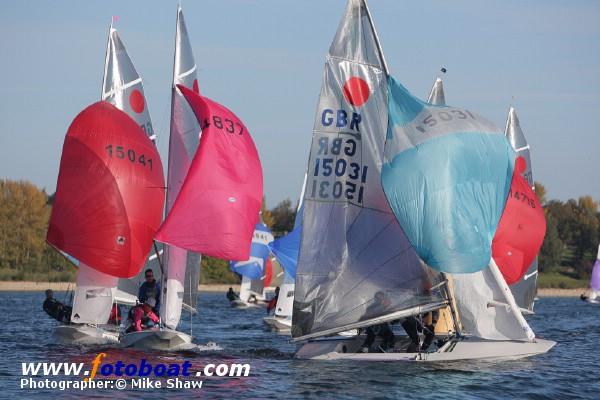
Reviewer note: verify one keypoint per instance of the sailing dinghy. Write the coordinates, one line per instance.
(357, 267)
(256, 271)
(178, 269)
(108, 206)
(593, 296)
(286, 251)
(96, 291)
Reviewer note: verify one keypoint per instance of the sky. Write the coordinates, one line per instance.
(264, 60)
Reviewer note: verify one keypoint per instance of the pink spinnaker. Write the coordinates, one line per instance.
(219, 202)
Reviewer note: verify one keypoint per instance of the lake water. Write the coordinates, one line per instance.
(568, 371)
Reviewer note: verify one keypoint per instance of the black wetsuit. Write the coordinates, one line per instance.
(57, 310)
(231, 296)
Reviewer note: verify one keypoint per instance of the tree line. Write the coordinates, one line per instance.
(570, 245)
(24, 254)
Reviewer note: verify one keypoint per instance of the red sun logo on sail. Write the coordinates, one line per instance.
(136, 101)
(356, 91)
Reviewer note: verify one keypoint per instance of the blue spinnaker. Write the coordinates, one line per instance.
(253, 268)
(446, 174)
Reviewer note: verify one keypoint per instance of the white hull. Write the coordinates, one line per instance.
(158, 339)
(85, 335)
(278, 324)
(465, 348)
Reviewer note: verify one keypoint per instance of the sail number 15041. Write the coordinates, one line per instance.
(128, 154)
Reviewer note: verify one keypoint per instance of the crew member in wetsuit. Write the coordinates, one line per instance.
(384, 331)
(142, 317)
(56, 309)
(231, 295)
(273, 302)
(150, 289)
(426, 324)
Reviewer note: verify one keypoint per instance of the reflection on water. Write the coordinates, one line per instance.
(564, 373)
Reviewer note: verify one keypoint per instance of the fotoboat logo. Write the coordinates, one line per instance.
(120, 375)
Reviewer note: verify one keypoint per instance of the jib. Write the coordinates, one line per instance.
(340, 119)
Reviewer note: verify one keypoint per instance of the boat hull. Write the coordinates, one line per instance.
(278, 324)
(464, 348)
(243, 304)
(85, 335)
(158, 339)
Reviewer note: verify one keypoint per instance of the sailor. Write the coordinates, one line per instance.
(273, 302)
(150, 289)
(142, 317)
(56, 309)
(231, 295)
(380, 304)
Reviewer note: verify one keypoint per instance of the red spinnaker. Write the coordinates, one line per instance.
(110, 192)
(268, 272)
(521, 229)
(219, 202)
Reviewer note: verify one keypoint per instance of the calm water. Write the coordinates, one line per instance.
(569, 371)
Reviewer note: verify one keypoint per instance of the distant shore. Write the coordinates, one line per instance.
(14, 286)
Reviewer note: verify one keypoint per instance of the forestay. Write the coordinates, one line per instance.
(352, 250)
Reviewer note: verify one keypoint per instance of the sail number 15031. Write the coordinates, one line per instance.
(128, 154)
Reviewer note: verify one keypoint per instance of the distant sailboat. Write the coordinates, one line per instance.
(179, 269)
(441, 232)
(593, 295)
(254, 270)
(286, 249)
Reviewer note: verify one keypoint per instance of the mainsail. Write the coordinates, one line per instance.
(525, 289)
(218, 204)
(436, 96)
(122, 85)
(182, 267)
(355, 266)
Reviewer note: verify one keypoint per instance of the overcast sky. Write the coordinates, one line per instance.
(264, 60)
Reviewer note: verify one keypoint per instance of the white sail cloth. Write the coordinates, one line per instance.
(94, 296)
(353, 253)
(182, 268)
(473, 292)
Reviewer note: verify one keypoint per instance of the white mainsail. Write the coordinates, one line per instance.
(182, 268)
(353, 250)
(436, 96)
(525, 289)
(122, 87)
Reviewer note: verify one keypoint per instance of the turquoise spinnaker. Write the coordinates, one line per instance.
(446, 174)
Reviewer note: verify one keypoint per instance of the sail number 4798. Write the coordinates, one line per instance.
(128, 154)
